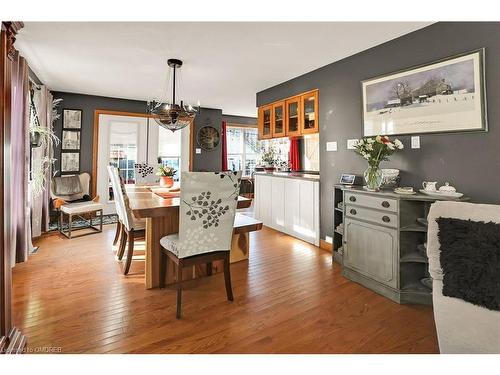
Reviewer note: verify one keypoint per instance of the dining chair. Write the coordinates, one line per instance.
(118, 210)
(145, 174)
(131, 227)
(206, 217)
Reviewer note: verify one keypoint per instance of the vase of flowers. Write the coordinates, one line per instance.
(376, 150)
(166, 176)
(269, 159)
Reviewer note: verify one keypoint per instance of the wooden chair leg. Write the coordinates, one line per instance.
(209, 269)
(179, 290)
(123, 243)
(163, 268)
(118, 231)
(227, 277)
(130, 252)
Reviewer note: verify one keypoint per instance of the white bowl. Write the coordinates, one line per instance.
(389, 176)
(390, 172)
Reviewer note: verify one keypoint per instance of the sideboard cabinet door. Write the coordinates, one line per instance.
(372, 251)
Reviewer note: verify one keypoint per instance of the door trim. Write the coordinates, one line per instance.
(95, 141)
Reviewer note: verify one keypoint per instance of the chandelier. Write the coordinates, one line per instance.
(172, 116)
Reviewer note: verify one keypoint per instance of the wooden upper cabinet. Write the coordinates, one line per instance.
(265, 115)
(290, 117)
(309, 122)
(293, 116)
(278, 120)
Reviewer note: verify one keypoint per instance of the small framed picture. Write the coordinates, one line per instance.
(347, 179)
(70, 140)
(72, 119)
(70, 162)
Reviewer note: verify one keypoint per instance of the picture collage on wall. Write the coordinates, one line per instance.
(71, 141)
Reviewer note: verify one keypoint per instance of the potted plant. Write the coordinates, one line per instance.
(166, 176)
(269, 160)
(44, 138)
(375, 150)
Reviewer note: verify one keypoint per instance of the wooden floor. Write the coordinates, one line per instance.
(71, 297)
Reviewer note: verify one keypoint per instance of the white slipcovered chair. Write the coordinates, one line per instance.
(461, 326)
(74, 191)
(70, 188)
(131, 227)
(208, 203)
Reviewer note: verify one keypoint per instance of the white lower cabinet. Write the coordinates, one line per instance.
(289, 205)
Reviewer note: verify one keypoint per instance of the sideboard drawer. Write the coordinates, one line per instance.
(378, 217)
(379, 203)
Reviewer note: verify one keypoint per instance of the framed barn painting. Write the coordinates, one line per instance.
(443, 96)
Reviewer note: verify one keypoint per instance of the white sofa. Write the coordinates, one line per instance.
(461, 326)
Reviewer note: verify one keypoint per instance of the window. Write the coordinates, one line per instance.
(123, 149)
(169, 150)
(242, 149)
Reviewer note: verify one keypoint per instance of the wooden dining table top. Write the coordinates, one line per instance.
(144, 203)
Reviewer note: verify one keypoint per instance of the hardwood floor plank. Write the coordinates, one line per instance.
(289, 298)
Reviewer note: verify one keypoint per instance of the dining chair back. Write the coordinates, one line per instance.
(145, 174)
(208, 203)
(207, 210)
(121, 199)
(131, 228)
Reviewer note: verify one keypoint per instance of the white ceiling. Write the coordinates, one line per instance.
(225, 64)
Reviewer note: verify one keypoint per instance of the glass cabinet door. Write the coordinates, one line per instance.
(310, 113)
(278, 123)
(293, 116)
(265, 122)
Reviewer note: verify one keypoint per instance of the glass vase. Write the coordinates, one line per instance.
(373, 178)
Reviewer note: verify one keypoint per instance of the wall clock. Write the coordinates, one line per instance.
(208, 138)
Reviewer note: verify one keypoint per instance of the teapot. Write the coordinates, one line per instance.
(447, 188)
(429, 186)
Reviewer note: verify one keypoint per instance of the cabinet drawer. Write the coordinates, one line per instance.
(375, 216)
(380, 203)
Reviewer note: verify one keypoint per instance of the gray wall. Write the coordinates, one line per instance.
(470, 161)
(242, 120)
(89, 103)
(208, 160)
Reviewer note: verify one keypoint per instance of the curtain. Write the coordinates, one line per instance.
(19, 158)
(224, 146)
(40, 205)
(293, 155)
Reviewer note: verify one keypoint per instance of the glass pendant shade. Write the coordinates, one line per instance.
(172, 116)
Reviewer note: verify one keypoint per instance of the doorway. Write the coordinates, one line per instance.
(124, 139)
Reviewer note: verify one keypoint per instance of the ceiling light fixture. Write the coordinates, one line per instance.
(172, 116)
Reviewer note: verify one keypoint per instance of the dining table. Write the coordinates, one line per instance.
(161, 212)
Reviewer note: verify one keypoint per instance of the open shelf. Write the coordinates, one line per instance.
(414, 257)
(339, 232)
(414, 228)
(416, 287)
(339, 209)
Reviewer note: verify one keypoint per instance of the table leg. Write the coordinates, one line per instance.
(156, 228)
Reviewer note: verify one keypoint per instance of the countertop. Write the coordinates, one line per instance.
(296, 175)
(390, 193)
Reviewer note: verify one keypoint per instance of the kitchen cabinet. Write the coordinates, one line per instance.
(309, 118)
(264, 122)
(291, 117)
(289, 205)
(278, 120)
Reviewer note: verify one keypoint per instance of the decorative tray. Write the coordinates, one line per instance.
(439, 194)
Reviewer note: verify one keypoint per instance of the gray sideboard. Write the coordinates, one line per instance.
(379, 238)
